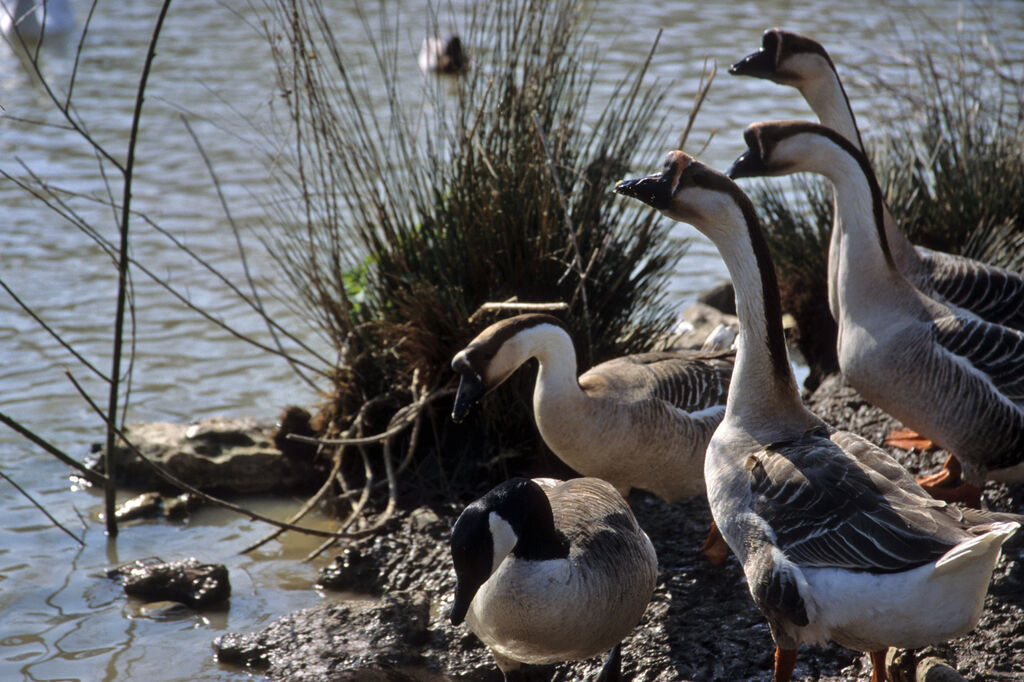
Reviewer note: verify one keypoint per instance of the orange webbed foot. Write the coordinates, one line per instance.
(908, 439)
(715, 549)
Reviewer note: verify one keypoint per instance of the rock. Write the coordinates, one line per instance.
(186, 581)
(236, 455)
(352, 571)
(362, 640)
(178, 508)
(159, 610)
(693, 327)
(721, 297)
(146, 504)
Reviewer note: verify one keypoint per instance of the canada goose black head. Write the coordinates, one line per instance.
(684, 190)
(492, 357)
(513, 518)
(785, 57)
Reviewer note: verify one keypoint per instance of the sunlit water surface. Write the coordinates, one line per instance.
(58, 617)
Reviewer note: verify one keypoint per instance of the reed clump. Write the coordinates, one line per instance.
(487, 187)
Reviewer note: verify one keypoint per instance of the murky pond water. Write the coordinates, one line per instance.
(58, 618)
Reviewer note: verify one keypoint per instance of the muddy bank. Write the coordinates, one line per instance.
(701, 625)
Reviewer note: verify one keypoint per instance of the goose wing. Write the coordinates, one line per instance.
(688, 380)
(991, 293)
(829, 508)
(994, 350)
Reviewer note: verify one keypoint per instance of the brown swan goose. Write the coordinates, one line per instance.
(836, 539)
(638, 421)
(951, 377)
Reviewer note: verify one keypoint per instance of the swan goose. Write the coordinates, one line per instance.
(991, 293)
(551, 571)
(637, 421)
(955, 379)
(835, 538)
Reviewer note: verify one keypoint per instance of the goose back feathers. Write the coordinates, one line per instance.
(836, 540)
(639, 421)
(551, 571)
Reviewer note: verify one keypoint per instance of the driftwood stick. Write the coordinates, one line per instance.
(87, 473)
(41, 508)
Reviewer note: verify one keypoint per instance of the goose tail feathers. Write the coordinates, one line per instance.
(984, 548)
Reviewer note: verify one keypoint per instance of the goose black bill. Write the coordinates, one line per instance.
(654, 190)
(760, 64)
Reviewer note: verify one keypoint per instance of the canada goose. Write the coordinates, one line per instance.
(836, 539)
(443, 55)
(955, 379)
(993, 294)
(27, 22)
(551, 571)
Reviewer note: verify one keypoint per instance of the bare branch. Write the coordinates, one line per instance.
(42, 509)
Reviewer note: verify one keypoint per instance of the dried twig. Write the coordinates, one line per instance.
(514, 304)
(42, 508)
(87, 473)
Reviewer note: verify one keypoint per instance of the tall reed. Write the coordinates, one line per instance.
(409, 220)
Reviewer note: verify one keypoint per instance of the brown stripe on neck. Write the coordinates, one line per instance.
(795, 43)
(876, 192)
(774, 333)
(771, 133)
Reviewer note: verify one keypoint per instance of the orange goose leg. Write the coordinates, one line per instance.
(946, 485)
(878, 672)
(908, 439)
(785, 660)
(715, 549)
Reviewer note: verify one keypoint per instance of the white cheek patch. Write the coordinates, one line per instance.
(503, 538)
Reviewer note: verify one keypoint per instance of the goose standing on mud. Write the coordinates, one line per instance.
(551, 571)
(836, 539)
(638, 421)
(953, 378)
(993, 294)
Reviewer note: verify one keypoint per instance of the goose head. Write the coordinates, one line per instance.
(686, 190)
(493, 356)
(786, 58)
(513, 518)
(786, 147)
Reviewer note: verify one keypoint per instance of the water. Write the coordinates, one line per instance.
(60, 619)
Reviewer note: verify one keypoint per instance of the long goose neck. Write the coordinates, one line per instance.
(865, 264)
(828, 100)
(762, 384)
(556, 377)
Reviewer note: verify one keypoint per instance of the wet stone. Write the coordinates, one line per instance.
(187, 581)
(179, 508)
(358, 639)
(141, 506)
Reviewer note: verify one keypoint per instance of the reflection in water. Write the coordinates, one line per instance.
(61, 617)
